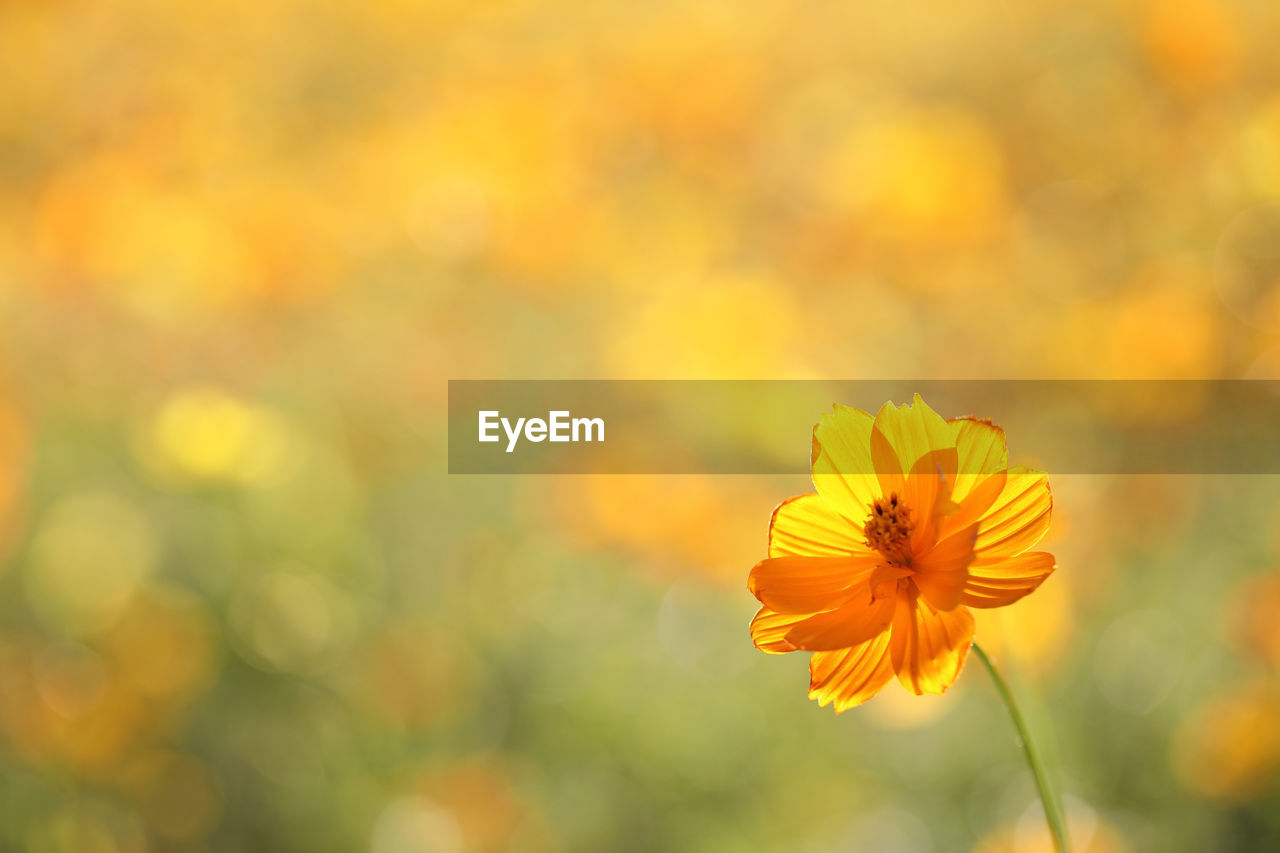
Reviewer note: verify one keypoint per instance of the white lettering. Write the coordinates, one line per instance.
(559, 426)
(587, 424)
(487, 424)
(513, 435)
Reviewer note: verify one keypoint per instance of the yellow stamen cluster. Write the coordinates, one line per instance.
(888, 529)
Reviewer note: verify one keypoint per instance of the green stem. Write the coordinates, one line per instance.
(1052, 808)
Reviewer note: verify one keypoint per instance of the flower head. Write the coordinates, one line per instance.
(916, 519)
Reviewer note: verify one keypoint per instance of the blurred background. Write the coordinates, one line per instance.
(244, 245)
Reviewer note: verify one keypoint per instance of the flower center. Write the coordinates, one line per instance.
(888, 530)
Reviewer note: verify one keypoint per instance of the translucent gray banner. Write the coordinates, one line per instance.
(765, 426)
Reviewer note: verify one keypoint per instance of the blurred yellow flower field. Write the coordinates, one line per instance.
(243, 247)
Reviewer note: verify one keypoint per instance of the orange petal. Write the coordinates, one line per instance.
(849, 677)
(769, 630)
(915, 431)
(807, 526)
(927, 492)
(1018, 517)
(855, 622)
(888, 574)
(981, 450)
(808, 584)
(928, 646)
(941, 571)
(975, 504)
(843, 471)
(995, 584)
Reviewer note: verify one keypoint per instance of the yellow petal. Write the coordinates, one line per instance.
(843, 471)
(808, 584)
(941, 571)
(849, 677)
(808, 526)
(769, 630)
(1004, 581)
(915, 431)
(855, 622)
(1018, 517)
(888, 467)
(928, 646)
(981, 450)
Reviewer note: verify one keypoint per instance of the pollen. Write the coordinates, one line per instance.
(888, 529)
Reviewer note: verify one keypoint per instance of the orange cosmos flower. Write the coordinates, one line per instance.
(916, 520)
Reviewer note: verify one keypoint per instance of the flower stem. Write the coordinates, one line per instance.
(1052, 807)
